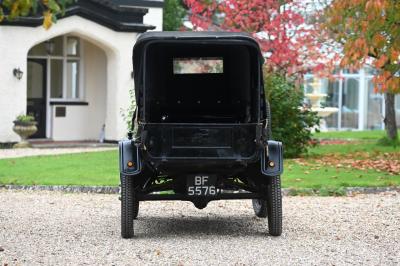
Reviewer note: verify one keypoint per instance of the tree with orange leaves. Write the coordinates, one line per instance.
(288, 42)
(370, 29)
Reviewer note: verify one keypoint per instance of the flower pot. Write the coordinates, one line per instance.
(24, 130)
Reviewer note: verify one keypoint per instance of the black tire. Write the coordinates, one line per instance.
(127, 207)
(260, 208)
(274, 206)
(135, 209)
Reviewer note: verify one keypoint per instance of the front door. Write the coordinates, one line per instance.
(36, 102)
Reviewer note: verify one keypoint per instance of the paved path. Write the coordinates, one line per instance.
(15, 153)
(53, 228)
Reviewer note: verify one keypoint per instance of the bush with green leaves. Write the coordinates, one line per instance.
(174, 12)
(290, 122)
(127, 114)
(25, 118)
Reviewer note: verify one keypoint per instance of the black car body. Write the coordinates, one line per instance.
(202, 130)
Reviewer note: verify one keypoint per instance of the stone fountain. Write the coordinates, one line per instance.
(315, 98)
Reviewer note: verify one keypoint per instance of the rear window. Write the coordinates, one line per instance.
(198, 65)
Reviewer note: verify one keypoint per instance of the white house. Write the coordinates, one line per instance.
(76, 76)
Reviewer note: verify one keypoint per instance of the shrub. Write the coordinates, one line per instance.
(127, 113)
(25, 118)
(290, 123)
(174, 12)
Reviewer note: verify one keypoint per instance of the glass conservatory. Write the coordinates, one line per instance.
(352, 92)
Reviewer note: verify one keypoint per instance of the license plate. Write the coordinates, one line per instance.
(201, 185)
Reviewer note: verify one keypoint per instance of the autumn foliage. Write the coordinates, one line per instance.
(13, 9)
(368, 29)
(289, 44)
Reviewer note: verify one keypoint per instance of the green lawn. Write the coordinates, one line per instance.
(371, 147)
(299, 176)
(312, 176)
(101, 169)
(359, 135)
(92, 168)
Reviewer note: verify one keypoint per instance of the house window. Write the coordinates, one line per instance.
(331, 88)
(72, 79)
(63, 56)
(397, 108)
(374, 108)
(56, 78)
(349, 108)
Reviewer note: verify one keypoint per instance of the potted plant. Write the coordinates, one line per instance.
(24, 126)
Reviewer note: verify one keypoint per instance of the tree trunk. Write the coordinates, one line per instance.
(390, 117)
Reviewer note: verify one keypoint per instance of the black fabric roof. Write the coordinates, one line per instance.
(190, 35)
(201, 36)
(119, 15)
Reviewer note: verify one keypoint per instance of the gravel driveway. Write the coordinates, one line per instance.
(52, 228)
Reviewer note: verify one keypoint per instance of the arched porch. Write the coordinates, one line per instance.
(67, 88)
(101, 86)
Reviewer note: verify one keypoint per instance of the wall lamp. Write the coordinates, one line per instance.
(18, 73)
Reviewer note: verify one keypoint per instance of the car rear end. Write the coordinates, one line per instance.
(201, 122)
(201, 104)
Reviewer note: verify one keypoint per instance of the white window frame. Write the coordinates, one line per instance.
(65, 59)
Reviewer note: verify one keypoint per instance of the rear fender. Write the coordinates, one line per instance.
(272, 159)
(129, 158)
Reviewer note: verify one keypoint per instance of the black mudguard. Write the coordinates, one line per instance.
(129, 153)
(272, 159)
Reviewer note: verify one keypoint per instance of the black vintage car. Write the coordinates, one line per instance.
(202, 126)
